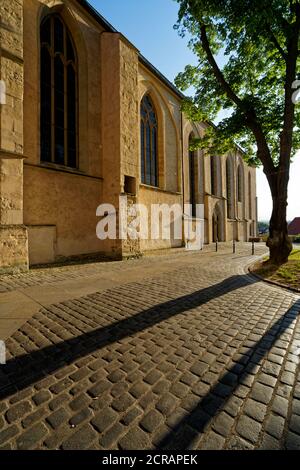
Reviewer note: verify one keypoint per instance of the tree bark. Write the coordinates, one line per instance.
(278, 242)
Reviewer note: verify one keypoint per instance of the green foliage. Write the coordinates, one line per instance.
(287, 274)
(253, 36)
(263, 227)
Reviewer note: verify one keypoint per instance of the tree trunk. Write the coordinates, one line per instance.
(278, 242)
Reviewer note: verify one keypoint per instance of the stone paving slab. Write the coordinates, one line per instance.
(200, 356)
(22, 295)
(15, 309)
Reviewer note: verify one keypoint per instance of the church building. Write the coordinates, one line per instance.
(84, 119)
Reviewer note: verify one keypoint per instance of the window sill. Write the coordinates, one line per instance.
(193, 218)
(62, 169)
(221, 198)
(156, 188)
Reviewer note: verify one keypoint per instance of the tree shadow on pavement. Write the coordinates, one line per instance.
(27, 369)
(188, 429)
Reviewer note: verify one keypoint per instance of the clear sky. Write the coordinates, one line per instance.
(148, 24)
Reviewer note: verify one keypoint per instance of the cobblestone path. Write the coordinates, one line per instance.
(200, 357)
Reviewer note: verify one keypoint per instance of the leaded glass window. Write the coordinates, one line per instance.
(149, 129)
(58, 117)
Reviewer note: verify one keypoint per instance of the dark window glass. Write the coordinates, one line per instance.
(149, 173)
(250, 195)
(71, 149)
(240, 184)
(46, 141)
(213, 175)
(59, 134)
(148, 154)
(142, 149)
(46, 32)
(59, 145)
(153, 158)
(71, 89)
(70, 50)
(45, 106)
(58, 35)
(229, 189)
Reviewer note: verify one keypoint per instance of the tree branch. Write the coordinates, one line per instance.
(250, 116)
(286, 137)
(276, 43)
(218, 74)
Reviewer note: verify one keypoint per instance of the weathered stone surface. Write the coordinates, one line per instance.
(57, 418)
(135, 439)
(17, 411)
(81, 439)
(248, 429)
(31, 438)
(105, 419)
(151, 421)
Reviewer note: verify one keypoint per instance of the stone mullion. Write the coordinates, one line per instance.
(151, 152)
(64, 58)
(145, 152)
(156, 157)
(76, 110)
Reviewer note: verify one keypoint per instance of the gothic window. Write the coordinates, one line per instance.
(229, 189)
(192, 178)
(58, 118)
(240, 184)
(213, 176)
(149, 133)
(250, 195)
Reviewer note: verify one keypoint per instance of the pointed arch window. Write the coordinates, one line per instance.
(250, 195)
(240, 183)
(149, 132)
(213, 176)
(58, 84)
(192, 179)
(229, 178)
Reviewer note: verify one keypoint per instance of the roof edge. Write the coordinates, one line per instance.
(105, 24)
(162, 77)
(108, 26)
(97, 16)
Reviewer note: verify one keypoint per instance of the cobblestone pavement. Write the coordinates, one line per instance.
(200, 357)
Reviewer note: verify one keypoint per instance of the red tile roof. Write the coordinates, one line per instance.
(294, 227)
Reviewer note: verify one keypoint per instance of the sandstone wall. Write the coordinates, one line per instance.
(13, 234)
(53, 195)
(57, 204)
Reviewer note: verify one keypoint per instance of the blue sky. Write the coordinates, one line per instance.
(148, 24)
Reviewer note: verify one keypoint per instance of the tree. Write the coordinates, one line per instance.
(258, 41)
(263, 227)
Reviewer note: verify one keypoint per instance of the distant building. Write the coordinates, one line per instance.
(294, 227)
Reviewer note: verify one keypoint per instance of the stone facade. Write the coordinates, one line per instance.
(54, 207)
(13, 234)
